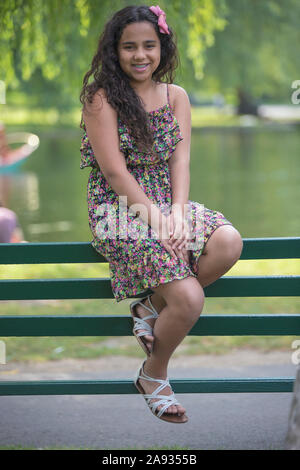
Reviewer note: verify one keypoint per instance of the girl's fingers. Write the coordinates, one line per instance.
(181, 245)
(182, 254)
(182, 242)
(175, 244)
(177, 248)
(171, 230)
(170, 250)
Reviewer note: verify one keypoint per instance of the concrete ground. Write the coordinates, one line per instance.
(216, 421)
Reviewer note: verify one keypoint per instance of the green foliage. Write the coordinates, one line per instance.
(47, 47)
(54, 41)
(257, 49)
(203, 22)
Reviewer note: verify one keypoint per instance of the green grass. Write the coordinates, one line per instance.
(241, 268)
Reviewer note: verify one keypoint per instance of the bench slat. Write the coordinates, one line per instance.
(111, 387)
(120, 325)
(100, 288)
(83, 252)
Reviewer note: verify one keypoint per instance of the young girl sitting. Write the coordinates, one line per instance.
(137, 133)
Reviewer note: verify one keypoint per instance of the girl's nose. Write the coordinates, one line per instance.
(139, 57)
(139, 54)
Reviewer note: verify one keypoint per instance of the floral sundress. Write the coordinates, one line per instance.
(138, 263)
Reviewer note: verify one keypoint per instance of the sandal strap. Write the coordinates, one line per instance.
(166, 400)
(154, 313)
(140, 323)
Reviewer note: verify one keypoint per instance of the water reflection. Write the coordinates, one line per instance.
(252, 176)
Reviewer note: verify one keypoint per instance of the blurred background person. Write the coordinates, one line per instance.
(10, 229)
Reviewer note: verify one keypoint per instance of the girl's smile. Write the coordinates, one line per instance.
(139, 51)
(140, 68)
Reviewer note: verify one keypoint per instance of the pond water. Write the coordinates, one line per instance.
(251, 175)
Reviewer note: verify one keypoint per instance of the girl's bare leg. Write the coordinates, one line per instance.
(220, 253)
(180, 305)
(184, 303)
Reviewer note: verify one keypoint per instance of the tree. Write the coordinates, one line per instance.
(256, 54)
(56, 39)
(227, 46)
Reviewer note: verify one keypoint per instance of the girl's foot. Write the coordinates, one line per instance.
(143, 312)
(149, 388)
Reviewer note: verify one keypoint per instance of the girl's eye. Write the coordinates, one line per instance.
(130, 47)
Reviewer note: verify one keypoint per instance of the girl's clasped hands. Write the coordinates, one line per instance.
(177, 228)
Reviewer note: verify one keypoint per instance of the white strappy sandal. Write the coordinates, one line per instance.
(141, 324)
(165, 400)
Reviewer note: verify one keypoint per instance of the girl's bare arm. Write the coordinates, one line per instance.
(179, 163)
(101, 125)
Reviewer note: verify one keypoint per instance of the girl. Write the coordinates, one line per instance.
(137, 131)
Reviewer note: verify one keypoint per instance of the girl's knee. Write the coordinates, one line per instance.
(229, 243)
(187, 299)
(235, 244)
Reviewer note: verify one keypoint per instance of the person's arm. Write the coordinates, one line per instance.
(17, 236)
(179, 163)
(102, 130)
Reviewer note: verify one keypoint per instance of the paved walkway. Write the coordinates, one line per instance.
(216, 421)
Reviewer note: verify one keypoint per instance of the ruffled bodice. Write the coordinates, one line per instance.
(165, 128)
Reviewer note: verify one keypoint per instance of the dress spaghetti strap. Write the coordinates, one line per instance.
(168, 97)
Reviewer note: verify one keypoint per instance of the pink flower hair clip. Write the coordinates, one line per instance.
(163, 27)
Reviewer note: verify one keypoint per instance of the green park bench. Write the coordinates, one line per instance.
(121, 325)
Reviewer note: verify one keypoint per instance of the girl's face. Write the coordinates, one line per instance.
(139, 45)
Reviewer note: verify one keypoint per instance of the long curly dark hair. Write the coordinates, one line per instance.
(107, 73)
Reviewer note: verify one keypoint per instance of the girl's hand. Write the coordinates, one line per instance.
(179, 231)
(182, 253)
(171, 224)
(163, 235)
(179, 234)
